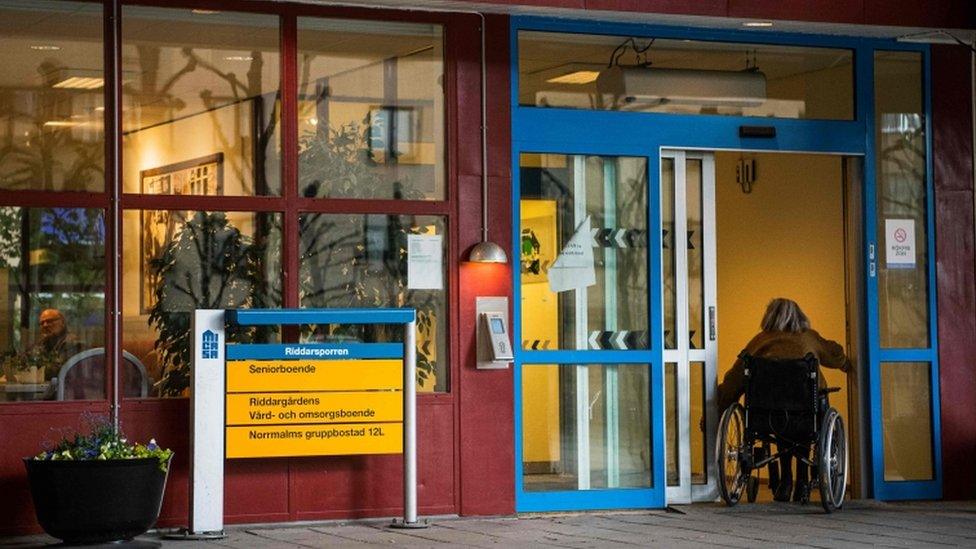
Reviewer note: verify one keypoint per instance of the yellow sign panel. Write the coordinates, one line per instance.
(297, 408)
(314, 440)
(260, 376)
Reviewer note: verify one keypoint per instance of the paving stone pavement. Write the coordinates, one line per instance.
(862, 523)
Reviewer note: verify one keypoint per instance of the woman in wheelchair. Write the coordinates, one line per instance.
(786, 339)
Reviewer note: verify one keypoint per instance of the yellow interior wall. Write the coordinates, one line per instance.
(784, 239)
(540, 320)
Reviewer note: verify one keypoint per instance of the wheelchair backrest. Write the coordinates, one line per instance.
(789, 385)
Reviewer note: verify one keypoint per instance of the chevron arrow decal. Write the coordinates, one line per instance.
(620, 340)
(619, 238)
(536, 344)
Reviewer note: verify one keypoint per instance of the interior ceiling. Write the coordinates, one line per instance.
(546, 54)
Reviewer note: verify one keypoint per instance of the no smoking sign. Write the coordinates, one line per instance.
(900, 243)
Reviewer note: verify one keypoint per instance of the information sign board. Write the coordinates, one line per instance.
(314, 400)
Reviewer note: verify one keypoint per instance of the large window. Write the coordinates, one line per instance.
(201, 113)
(226, 202)
(371, 110)
(200, 121)
(178, 261)
(647, 74)
(52, 258)
(371, 126)
(51, 109)
(206, 207)
(364, 261)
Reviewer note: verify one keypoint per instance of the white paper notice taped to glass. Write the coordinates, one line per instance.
(900, 243)
(573, 269)
(425, 262)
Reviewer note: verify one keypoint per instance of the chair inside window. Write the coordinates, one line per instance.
(82, 377)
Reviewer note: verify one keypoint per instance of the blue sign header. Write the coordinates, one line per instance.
(314, 351)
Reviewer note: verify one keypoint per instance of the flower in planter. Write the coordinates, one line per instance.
(103, 442)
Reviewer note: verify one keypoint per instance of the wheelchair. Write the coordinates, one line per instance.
(785, 406)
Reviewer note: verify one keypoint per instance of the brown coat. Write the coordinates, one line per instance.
(780, 345)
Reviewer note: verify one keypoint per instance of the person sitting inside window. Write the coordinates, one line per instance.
(786, 334)
(55, 345)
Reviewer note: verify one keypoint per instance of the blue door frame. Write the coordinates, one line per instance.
(610, 133)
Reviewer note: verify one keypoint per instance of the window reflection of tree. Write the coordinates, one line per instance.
(55, 259)
(211, 264)
(48, 142)
(902, 195)
(235, 90)
(360, 261)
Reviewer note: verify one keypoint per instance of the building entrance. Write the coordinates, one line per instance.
(752, 227)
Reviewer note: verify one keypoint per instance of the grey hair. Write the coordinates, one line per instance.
(784, 315)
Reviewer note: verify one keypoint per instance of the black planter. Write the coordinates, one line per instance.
(96, 501)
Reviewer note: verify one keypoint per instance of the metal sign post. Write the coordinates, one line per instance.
(347, 388)
(409, 431)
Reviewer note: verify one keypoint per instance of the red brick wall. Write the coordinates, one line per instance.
(952, 143)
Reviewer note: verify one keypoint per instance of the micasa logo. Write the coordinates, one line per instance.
(211, 344)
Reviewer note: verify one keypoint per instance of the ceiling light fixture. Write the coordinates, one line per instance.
(61, 124)
(44, 47)
(80, 83)
(577, 77)
(759, 24)
(238, 58)
(640, 85)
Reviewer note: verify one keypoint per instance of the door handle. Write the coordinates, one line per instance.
(711, 323)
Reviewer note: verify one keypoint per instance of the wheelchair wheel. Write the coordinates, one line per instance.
(732, 478)
(832, 461)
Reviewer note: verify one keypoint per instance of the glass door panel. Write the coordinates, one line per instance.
(906, 394)
(690, 353)
(583, 233)
(583, 290)
(902, 350)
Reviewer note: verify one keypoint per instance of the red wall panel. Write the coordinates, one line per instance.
(715, 8)
(956, 284)
(370, 486)
(270, 490)
(486, 419)
(829, 11)
(954, 14)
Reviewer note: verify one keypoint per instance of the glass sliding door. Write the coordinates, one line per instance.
(690, 309)
(583, 374)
